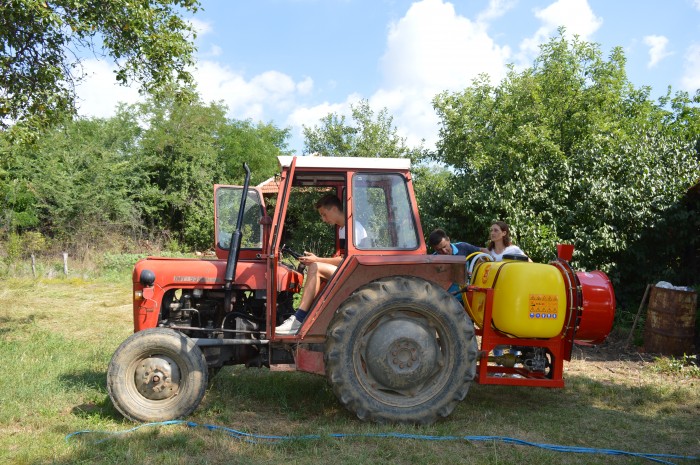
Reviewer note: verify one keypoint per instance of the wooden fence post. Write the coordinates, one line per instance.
(65, 263)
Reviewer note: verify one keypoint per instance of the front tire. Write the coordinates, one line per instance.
(401, 349)
(157, 375)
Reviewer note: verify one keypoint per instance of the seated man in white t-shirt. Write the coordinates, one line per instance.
(330, 208)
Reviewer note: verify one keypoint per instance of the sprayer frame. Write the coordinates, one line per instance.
(559, 348)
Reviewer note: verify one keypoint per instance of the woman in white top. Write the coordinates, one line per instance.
(501, 243)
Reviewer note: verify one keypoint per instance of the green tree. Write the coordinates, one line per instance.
(683, 118)
(43, 42)
(258, 145)
(17, 202)
(77, 182)
(567, 150)
(366, 136)
(178, 159)
(187, 148)
(146, 173)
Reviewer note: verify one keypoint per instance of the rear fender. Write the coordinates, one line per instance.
(359, 270)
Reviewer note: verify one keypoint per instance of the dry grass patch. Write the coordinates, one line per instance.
(86, 310)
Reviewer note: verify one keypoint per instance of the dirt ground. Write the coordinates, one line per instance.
(613, 359)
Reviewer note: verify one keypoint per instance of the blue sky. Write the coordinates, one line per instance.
(291, 62)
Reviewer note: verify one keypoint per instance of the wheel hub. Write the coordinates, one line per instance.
(157, 378)
(401, 353)
(404, 354)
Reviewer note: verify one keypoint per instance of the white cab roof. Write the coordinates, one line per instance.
(311, 161)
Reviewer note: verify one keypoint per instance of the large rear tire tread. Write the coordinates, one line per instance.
(425, 311)
(158, 346)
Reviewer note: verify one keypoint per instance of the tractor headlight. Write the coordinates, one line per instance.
(147, 278)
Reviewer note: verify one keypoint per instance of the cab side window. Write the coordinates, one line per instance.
(381, 205)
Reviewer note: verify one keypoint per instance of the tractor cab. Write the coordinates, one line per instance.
(380, 215)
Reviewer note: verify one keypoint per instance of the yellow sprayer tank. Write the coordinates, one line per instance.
(529, 299)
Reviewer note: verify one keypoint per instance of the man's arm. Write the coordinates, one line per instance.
(310, 258)
(466, 249)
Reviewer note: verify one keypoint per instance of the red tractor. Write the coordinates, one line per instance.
(394, 344)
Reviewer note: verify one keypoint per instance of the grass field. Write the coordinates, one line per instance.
(57, 337)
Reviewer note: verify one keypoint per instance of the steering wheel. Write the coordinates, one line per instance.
(300, 267)
(474, 259)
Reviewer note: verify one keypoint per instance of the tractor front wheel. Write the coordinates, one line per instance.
(401, 349)
(157, 375)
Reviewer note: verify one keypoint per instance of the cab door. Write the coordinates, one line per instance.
(227, 200)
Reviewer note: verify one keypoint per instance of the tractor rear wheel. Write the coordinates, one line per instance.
(401, 349)
(156, 375)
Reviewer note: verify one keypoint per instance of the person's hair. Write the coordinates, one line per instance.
(328, 201)
(506, 239)
(436, 237)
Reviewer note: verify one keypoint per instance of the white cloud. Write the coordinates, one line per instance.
(575, 15)
(696, 4)
(200, 27)
(433, 46)
(430, 50)
(691, 69)
(310, 115)
(99, 93)
(256, 98)
(495, 10)
(413, 113)
(214, 51)
(657, 49)
(306, 86)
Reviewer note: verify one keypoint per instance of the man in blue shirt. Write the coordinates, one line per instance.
(439, 241)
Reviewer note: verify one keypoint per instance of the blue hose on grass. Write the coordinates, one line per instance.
(268, 439)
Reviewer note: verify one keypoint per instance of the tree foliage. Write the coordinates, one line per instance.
(567, 151)
(258, 145)
(145, 174)
(75, 183)
(42, 45)
(367, 136)
(186, 150)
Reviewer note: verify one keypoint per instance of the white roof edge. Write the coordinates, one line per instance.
(268, 180)
(309, 161)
